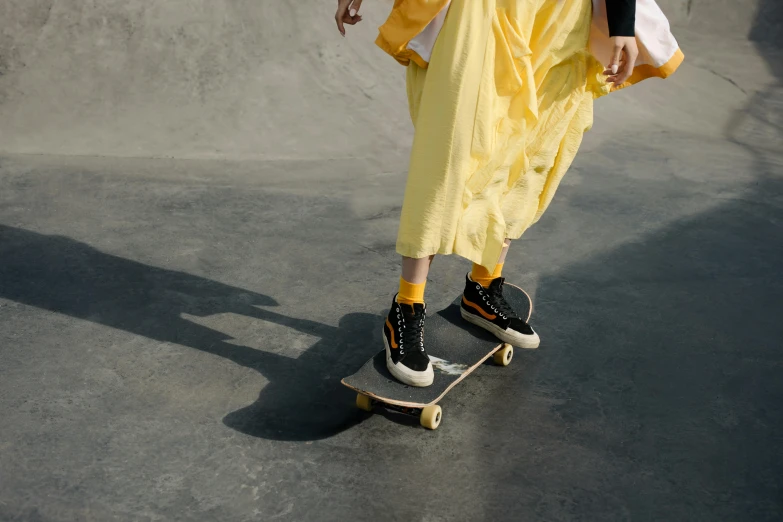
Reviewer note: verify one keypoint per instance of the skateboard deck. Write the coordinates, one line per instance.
(456, 348)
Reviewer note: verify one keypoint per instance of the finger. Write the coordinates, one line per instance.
(608, 70)
(628, 68)
(617, 55)
(619, 78)
(355, 6)
(352, 21)
(342, 7)
(616, 78)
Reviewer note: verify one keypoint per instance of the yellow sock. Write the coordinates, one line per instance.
(411, 293)
(483, 276)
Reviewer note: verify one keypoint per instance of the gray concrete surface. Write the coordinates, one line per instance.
(195, 79)
(173, 331)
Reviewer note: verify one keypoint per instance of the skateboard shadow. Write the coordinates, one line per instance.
(303, 399)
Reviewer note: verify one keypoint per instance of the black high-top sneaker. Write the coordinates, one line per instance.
(487, 308)
(403, 336)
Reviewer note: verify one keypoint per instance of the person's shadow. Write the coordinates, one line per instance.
(303, 399)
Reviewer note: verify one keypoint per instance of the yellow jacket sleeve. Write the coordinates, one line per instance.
(408, 18)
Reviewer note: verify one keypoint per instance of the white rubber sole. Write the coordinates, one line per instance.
(404, 374)
(514, 338)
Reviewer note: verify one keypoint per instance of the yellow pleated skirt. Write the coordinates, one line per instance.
(499, 115)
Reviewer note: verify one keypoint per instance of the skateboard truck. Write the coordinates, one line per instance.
(429, 416)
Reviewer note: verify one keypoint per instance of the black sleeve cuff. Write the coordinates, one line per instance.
(621, 15)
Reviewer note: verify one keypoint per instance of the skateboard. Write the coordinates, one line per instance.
(456, 348)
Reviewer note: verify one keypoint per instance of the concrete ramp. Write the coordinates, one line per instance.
(195, 79)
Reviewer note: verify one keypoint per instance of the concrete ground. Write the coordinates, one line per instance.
(183, 284)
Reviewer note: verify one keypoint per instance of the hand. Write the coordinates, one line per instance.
(624, 56)
(347, 13)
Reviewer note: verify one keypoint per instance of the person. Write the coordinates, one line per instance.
(500, 93)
